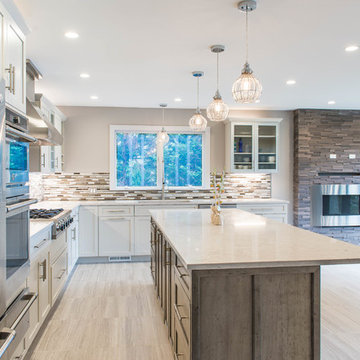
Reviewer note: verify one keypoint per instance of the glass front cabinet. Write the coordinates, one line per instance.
(252, 146)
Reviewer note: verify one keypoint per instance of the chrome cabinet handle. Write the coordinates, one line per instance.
(117, 211)
(10, 336)
(61, 274)
(177, 312)
(13, 80)
(43, 277)
(40, 244)
(9, 70)
(43, 160)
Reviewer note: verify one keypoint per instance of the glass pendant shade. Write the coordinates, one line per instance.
(197, 121)
(217, 110)
(247, 88)
(162, 137)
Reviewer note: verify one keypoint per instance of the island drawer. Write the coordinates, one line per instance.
(115, 211)
(182, 308)
(58, 275)
(183, 275)
(181, 346)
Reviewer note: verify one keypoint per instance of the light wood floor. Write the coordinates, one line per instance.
(109, 311)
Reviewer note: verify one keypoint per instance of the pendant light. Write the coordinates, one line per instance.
(197, 121)
(247, 88)
(217, 110)
(162, 136)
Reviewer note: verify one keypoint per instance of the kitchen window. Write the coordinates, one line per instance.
(137, 162)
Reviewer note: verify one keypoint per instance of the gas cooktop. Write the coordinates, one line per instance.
(44, 213)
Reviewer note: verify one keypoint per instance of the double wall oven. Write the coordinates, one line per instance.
(14, 228)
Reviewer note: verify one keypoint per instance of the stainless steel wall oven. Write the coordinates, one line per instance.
(335, 205)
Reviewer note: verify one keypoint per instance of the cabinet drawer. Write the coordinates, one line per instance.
(181, 346)
(115, 211)
(143, 210)
(264, 208)
(58, 275)
(182, 307)
(39, 242)
(183, 275)
(57, 246)
(277, 217)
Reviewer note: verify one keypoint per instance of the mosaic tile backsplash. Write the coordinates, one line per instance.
(95, 186)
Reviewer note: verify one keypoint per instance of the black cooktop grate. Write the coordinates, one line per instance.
(44, 213)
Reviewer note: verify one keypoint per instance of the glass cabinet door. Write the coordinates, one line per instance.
(267, 137)
(243, 147)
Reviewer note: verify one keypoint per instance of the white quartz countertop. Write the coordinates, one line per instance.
(246, 240)
(38, 226)
(73, 204)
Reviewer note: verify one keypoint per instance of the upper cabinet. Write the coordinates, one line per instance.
(13, 61)
(252, 146)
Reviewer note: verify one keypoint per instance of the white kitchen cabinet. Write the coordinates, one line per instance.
(88, 231)
(38, 281)
(252, 146)
(73, 245)
(116, 235)
(142, 232)
(58, 149)
(59, 272)
(273, 211)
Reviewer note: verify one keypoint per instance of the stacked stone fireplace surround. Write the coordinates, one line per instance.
(317, 134)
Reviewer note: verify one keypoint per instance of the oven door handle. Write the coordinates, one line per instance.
(10, 336)
(31, 298)
(21, 135)
(21, 204)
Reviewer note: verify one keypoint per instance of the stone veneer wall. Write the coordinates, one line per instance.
(317, 133)
(95, 186)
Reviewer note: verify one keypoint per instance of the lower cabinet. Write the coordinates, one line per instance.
(142, 232)
(277, 211)
(88, 231)
(73, 245)
(116, 236)
(39, 282)
(58, 275)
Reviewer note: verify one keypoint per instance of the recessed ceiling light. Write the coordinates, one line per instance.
(178, 99)
(94, 97)
(72, 35)
(331, 102)
(352, 48)
(84, 75)
(257, 101)
(291, 82)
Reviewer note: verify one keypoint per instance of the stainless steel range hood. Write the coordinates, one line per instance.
(40, 125)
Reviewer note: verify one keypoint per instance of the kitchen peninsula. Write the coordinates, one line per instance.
(249, 289)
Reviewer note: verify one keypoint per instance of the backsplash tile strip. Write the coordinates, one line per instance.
(95, 186)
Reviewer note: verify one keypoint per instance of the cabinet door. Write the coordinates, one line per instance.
(243, 148)
(116, 236)
(15, 66)
(32, 284)
(69, 247)
(75, 244)
(45, 159)
(44, 287)
(142, 235)
(267, 145)
(88, 231)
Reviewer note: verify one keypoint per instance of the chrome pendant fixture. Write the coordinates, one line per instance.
(197, 121)
(162, 136)
(217, 110)
(247, 88)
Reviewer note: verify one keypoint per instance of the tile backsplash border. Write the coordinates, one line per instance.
(95, 186)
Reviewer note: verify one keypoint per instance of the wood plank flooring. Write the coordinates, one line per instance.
(109, 311)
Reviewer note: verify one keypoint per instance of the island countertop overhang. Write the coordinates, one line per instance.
(247, 241)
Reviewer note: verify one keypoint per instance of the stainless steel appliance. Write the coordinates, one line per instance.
(61, 218)
(335, 205)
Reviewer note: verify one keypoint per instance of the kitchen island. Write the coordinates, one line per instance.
(248, 290)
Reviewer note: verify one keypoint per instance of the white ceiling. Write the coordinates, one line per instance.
(141, 53)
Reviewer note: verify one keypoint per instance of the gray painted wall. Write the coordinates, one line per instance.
(86, 138)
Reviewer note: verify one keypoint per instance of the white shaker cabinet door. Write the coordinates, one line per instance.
(142, 235)
(15, 66)
(116, 236)
(88, 231)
